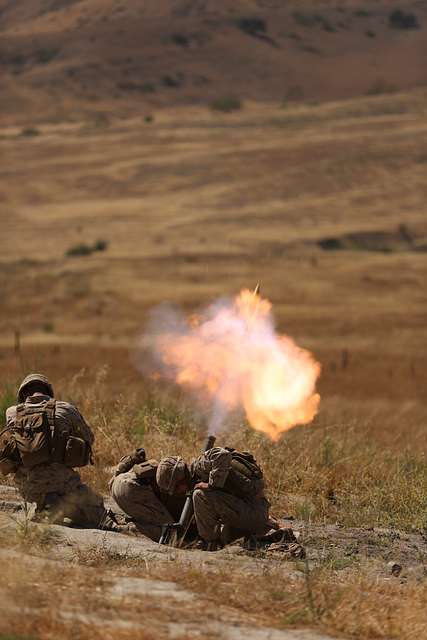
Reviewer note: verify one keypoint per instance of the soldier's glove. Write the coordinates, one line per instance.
(127, 462)
(139, 455)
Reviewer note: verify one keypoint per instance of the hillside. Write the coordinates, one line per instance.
(65, 58)
(325, 205)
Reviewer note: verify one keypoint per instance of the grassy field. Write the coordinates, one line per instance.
(325, 206)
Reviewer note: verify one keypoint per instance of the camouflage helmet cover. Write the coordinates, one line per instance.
(34, 377)
(170, 472)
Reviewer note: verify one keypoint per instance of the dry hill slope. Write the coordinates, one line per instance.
(324, 204)
(61, 57)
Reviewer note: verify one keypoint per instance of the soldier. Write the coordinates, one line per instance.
(228, 496)
(135, 490)
(44, 440)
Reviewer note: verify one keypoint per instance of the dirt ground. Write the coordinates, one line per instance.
(107, 578)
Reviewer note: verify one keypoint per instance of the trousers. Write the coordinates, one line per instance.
(59, 493)
(140, 504)
(213, 508)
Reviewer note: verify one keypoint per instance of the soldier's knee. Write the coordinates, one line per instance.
(201, 497)
(198, 495)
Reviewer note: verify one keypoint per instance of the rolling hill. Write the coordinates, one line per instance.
(64, 58)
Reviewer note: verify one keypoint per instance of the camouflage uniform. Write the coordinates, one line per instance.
(143, 502)
(57, 489)
(214, 507)
(218, 512)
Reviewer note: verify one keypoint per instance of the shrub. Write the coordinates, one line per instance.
(86, 249)
(48, 327)
(180, 39)
(400, 20)
(171, 81)
(252, 26)
(43, 56)
(30, 132)
(79, 250)
(362, 13)
(312, 20)
(148, 87)
(226, 104)
(305, 19)
(100, 245)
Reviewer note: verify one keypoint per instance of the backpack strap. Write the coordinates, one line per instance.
(18, 417)
(50, 412)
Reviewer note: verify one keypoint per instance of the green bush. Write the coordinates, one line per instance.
(400, 20)
(148, 87)
(79, 250)
(48, 327)
(43, 56)
(252, 26)
(83, 249)
(100, 245)
(226, 104)
(30, 132)
(171, 81)
(180, 39)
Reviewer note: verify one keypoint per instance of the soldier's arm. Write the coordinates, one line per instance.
(219, 461)
(71, 414)
(84, 428)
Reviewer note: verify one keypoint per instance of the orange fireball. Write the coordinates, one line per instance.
(233, 357)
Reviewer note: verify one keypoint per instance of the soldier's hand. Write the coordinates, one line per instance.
(202, 485)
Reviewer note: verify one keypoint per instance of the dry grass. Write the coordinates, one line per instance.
(352, 603)
(356, 606)
(336, 470)
(357, 466)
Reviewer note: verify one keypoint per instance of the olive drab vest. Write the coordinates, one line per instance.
(38, 441)
(245, 478)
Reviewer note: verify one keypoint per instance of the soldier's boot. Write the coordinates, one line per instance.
(211, 545)
(49, 509)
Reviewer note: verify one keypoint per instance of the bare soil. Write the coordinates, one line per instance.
(127, 570)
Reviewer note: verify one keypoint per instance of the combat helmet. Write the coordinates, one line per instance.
(30, 379)
(170, 472)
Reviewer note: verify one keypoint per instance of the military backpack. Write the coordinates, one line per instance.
(38, 441)
(245, 478)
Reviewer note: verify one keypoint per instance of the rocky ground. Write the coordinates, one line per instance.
(92, 577)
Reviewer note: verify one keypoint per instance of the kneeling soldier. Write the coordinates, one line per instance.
(44, 440)
(135, 490)
(228, 494)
